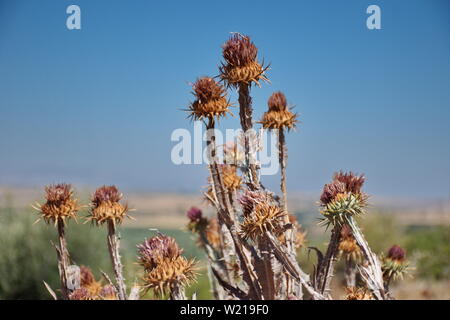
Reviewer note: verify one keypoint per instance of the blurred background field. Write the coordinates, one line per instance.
(27, 257)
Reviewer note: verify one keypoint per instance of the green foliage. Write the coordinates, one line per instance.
(430, 248)
(27, 257)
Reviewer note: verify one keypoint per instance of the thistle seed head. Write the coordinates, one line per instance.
(277, 102)
(87, 280)
(330, 191)
(156, 249)
(60, 204)
(239, 50)
(231, 180)
(105, 206)
(354, 293)
(250, 199)
(81, 294)
(108, 292)
(264, 218)
(240, 62)
(168, 274)
(211, 100)
(353, 182)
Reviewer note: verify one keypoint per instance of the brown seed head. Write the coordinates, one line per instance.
(241, 64)
(231, 180)
(279, 120)
(250, 199)
(108, 292)
(81, 294)
(154, 250)
(211, 100)
(60, 204)
(87, 280)
(105, 206)
(168, 274)
(353, 183)
(264, 218)
(330, 191)
(354, 293)
(239, 50)
(277, 102)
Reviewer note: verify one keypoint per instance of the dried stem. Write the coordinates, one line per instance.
(350, 272)
(371, 270)
(63, 259)
(245, 115)
(113, 246)
(177, 293)
(326, 268)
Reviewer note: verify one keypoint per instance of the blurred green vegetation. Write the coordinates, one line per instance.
(27, 257)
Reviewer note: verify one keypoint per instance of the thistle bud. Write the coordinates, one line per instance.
(194, 214)
(250, 199)
(241, 65)
(278, 116)
(164, 266)
(396, 253)
(60, 204)
(81, 294)
(211, 100)
(106, 206)
(108, 292)
(153, 250)
(264, 218)
(394, 264)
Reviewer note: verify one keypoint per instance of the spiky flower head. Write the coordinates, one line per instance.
(87, 280)
(250, 199)
(194, 214)
(81, 294)
(355, 293)
(353, 182)
(394, 264)
(170, 274)
(241, 64)
(164, 266)
(396, 253)
(153, 250)
(196, 220)
(343, 198)
(348, 247)
(108, 292)
(278, 116)
(106, 206)
(264, 218)
(60, 205)
(231, 180)
(210, 100)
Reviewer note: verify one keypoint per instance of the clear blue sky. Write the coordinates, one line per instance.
(98, 105)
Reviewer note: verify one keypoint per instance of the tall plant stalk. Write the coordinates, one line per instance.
(113, 248)
(245, 116)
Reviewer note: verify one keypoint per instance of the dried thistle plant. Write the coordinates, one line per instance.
(59, 207)
(107, 208)
(166, 271)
